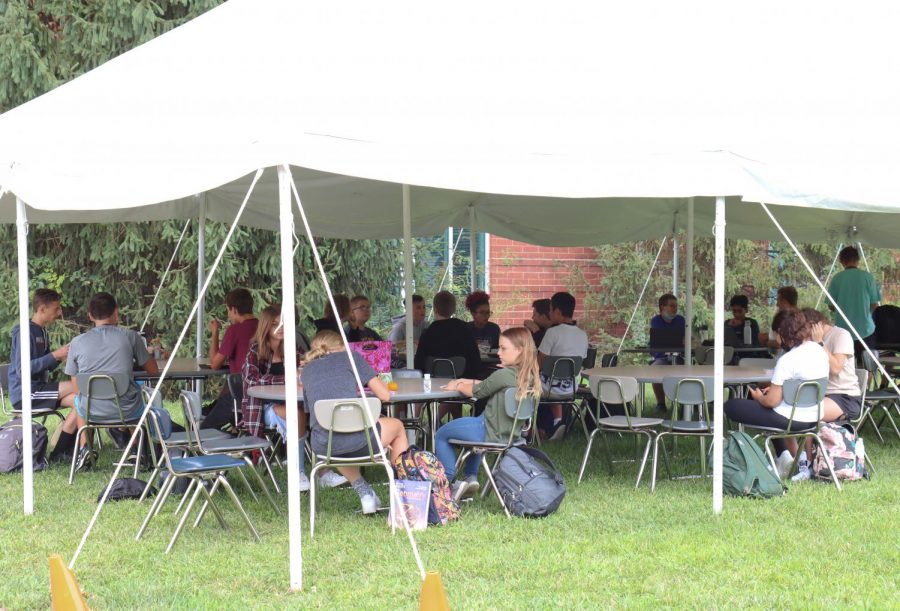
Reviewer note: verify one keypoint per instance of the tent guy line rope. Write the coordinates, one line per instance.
(837, 308)
(162, 280)
(862, 253)
(394, 496)
(165, 371)
(830, 271)
(641, 296)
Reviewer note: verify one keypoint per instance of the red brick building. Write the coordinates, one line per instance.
(518, 273)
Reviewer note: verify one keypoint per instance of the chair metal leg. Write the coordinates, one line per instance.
(247, 484)
(187, 495)
(828, 462)
(587, 453)
(184, 518)
(75, 453)
(643, 460)
(262, 484)
(490, 477)
(767, 442)
(140, 446)
(312, 498)
(653, 468)
(240, 507)
(211, 503)
(154, 507)
(268, 466)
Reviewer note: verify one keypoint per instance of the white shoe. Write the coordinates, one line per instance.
(304, 482)
(331, 479)
(463, 490)
(558, 433)
(784, 462)
(370, 503)
(803, 472)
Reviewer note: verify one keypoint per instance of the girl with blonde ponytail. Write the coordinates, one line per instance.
(519, 370)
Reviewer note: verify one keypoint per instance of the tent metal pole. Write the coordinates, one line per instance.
(830, 271)
(719, 352)
(286, 233)
(674, 264)
(689, 284)
(201, 271)
(862, 253)
(473, 251)
(25, 356)
(407, 276)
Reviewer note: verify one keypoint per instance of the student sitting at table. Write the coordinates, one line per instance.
(843, 395)
(233, 349)
(785, 301)
(398, 331)
(804, 360)
(485, 332)
(539, 321)
(745, 329)
(107, 348)
(519, 369)
(564, 338)
(45, 393)
(264, 366)
(360, 313)
(668, 318)
(332, 320)
(327, 374)
(448, 336)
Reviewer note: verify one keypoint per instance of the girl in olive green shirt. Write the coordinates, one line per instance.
(518, 369)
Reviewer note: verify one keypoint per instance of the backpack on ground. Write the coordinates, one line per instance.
(416, 464)
(125, 488)
(11, 443)
(745, 469)
(530, 485)
(846, 453)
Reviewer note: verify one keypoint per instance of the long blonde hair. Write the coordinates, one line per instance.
(528, 376)
(265, 325)
(323, 343)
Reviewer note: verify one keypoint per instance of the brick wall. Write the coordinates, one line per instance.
(521, 273)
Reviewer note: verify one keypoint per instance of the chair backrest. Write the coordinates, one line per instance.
(590, 359)
(614, 390)
(609, 360)
(757, 363)
(446, 367)
(4, 378)
(689, 391)
(709, 355)
(561, 367)
(346, 415)
(862, 377)
(103, 385)
(147, 394)
(193, 413)
(236, 386)
(804, 393)
(405, 374)
(869, 363)
(518, 410)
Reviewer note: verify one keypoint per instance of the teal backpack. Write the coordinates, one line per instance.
(745, 469)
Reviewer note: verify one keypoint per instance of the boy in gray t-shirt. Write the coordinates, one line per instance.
(107, 348)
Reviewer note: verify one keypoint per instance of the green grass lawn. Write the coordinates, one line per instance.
(608, 546)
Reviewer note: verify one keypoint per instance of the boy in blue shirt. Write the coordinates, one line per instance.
(668, 318)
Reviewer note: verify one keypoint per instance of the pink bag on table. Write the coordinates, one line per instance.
(377, 354)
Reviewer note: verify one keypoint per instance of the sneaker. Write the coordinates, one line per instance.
(370, 503)
(465, 490)
(784, 462)
(661, 409)
(331, 479)
(803, 472)
(304, 482)
(557, 432)
(86, 459)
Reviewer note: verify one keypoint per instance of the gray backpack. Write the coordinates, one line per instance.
(11, 457)
(530, 485)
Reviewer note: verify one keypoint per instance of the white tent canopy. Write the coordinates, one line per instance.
(579, 125)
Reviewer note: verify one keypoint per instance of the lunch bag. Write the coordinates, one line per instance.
(528, 482)
(745, 469)
(841, 446)
(11, 442)
(422, 465)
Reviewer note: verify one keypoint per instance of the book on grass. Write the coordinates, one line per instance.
(415, 496)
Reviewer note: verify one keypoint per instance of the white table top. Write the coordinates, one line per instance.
(648, 373)
(889, 360)
(409, 390)
(183, 369)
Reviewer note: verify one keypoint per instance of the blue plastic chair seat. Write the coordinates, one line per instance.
(200, 464)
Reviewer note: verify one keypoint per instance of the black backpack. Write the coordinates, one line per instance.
(125, 488)
(529, 483)
(11, 442)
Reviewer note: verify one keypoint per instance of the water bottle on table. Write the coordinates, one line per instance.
(426, 383)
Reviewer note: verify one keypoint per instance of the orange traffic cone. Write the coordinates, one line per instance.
(433, 597)
(65, 593)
